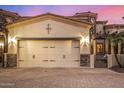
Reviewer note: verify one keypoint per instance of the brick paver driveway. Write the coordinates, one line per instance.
(60, 77)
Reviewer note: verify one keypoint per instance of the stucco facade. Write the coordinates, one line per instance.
(83, 39)
(65, 30)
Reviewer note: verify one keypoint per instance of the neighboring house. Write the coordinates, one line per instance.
(50, 40)
(118, 48)
(99, 46)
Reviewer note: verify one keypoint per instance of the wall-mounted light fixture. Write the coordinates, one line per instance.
(85, 41)
(1, 44)
(12, 40)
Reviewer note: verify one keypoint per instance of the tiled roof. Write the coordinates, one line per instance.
(5, 12)
(101, 22)
(85, 14)
(29, 18)
(114, 26)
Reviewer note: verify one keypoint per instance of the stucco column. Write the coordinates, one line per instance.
(92, 56)
(94, 46)
(119, 47)
(109, 60)
(120, 56)
(5, 47)
(92, 60)
(106, 46)
(91, 47)
(5, 60)
(112, 48)
(110, 56)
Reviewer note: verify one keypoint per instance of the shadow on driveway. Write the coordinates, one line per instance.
(117, 69)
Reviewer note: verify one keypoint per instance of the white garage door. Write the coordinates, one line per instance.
(49, 53)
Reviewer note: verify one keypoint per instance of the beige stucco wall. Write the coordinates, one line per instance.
(112, 61)
(38, 30)
(99, 27)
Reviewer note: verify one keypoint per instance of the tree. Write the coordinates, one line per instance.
(115, 39)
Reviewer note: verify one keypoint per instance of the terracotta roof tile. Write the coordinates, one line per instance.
(8, 13)
(21, 20)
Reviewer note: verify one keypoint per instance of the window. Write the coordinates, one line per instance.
(99, 48)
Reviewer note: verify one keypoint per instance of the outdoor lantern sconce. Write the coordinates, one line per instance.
(12, 40)
(85, 40)
(1, 44)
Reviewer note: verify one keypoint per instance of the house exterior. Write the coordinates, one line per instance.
(50, 40)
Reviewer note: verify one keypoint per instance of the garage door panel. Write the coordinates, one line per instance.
(53, 53)
(42, 57)
(22, 55)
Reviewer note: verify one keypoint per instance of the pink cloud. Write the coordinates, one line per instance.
(113, 14)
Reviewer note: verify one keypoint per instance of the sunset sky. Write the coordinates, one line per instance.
(111, 13)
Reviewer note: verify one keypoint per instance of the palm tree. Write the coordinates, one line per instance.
(115, 39)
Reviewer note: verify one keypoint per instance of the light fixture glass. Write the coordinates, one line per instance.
(1, 44)
(85, 40)
(12, 40)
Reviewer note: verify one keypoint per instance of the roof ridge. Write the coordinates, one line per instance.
(8, 11)
(48, 13)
